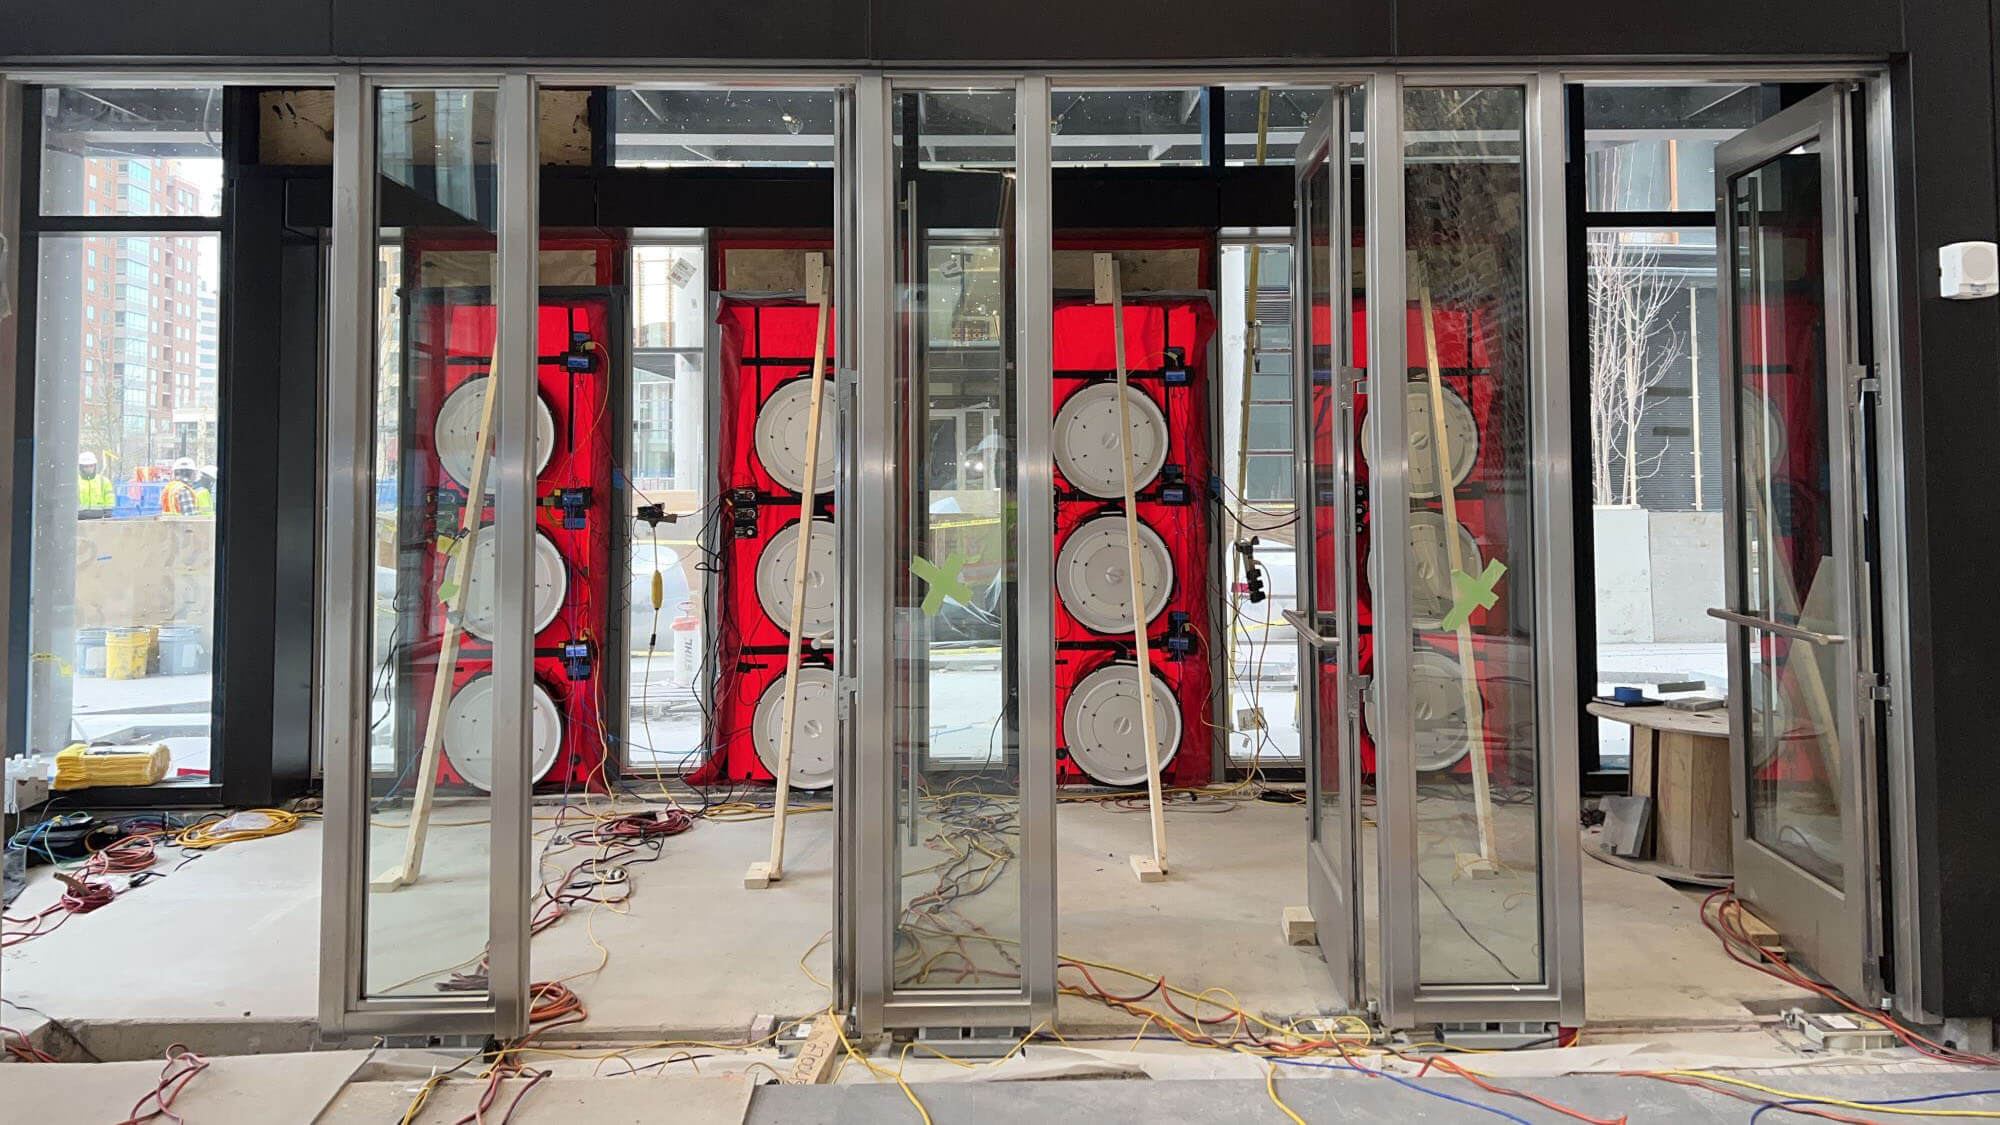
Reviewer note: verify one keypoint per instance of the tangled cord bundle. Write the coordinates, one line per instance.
(182, 1066)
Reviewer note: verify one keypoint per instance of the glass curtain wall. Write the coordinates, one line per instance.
(122, 597)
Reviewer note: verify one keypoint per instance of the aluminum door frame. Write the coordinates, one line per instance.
(870, 732)
(1558, 996)
(1333, 882)
(1836, 928)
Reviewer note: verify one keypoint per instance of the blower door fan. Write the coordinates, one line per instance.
(1459, 426)
(781, 435)
(1093, 574)
(469, 727)
(774, 579)
(1101, 724)
(1087, 446)
(478, 613)
(456, 432)
(815, 731)
(1430, 567)
(1438, 700)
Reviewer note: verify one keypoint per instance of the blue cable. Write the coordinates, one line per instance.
(1763, 1109)
(1401, 1081)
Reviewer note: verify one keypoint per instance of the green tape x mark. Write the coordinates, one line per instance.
(943, 580)
(1469, 593)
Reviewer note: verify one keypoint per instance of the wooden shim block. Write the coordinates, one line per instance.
(817, 1055)
(1476, 866)
(757, 877)
(1298, 926)
(1147, 869)
(1760, 932)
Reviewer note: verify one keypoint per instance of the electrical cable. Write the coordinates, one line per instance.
(1726, 923)
(182, 1067)
(1872, 1103)
(1408, 1085)
(239, 827)
(22, 1048)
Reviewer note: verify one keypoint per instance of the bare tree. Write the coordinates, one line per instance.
(1633, 342)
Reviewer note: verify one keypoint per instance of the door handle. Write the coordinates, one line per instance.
(1309, 631)
(1793, 631)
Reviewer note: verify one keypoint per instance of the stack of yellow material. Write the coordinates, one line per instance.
(79, 766)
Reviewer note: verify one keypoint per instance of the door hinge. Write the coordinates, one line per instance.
(1875, 687)
(1860, 383)
(1364, 694)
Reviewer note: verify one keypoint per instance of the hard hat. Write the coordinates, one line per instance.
(208, 470)
(184, 464)
(86, 460)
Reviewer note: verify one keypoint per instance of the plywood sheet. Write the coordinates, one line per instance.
(636, 1100)
(239, 1090)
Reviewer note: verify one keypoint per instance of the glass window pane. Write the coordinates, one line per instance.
(1270, 479)
(1652, 148)
(668, 284)
(958, 897)
(1656, 457)
(721, 128)
(435, 613)
(132, 151)
(1102, 128)
(1262, 648)
(122, 592)
(1290, 112)
(1471, 480)
(1270, 427)
(1789, 570)
(1273, 381)
(1657, 419)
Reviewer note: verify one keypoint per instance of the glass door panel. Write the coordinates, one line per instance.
(435, 324)
(425, 706)
(1798, 622)
(1328, 633)
(1469, 555)
(1469, 573)
(959, 817)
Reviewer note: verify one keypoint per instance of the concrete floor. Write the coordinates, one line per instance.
(233, 936)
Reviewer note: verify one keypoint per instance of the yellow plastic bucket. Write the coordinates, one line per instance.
(127, 653)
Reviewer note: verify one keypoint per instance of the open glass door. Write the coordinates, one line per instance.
(1799, 614)
(1328, 519)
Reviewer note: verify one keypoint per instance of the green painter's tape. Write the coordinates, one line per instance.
(1469, 593)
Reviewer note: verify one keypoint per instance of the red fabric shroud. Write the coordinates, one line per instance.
(451, 340)
(1083, 353)
(766, 342)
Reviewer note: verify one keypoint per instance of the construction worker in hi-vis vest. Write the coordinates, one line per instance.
(93, 489)
(178, 498)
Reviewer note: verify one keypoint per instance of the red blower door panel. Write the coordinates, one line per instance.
(1099, 736)
(450, 344)
(766, 397)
